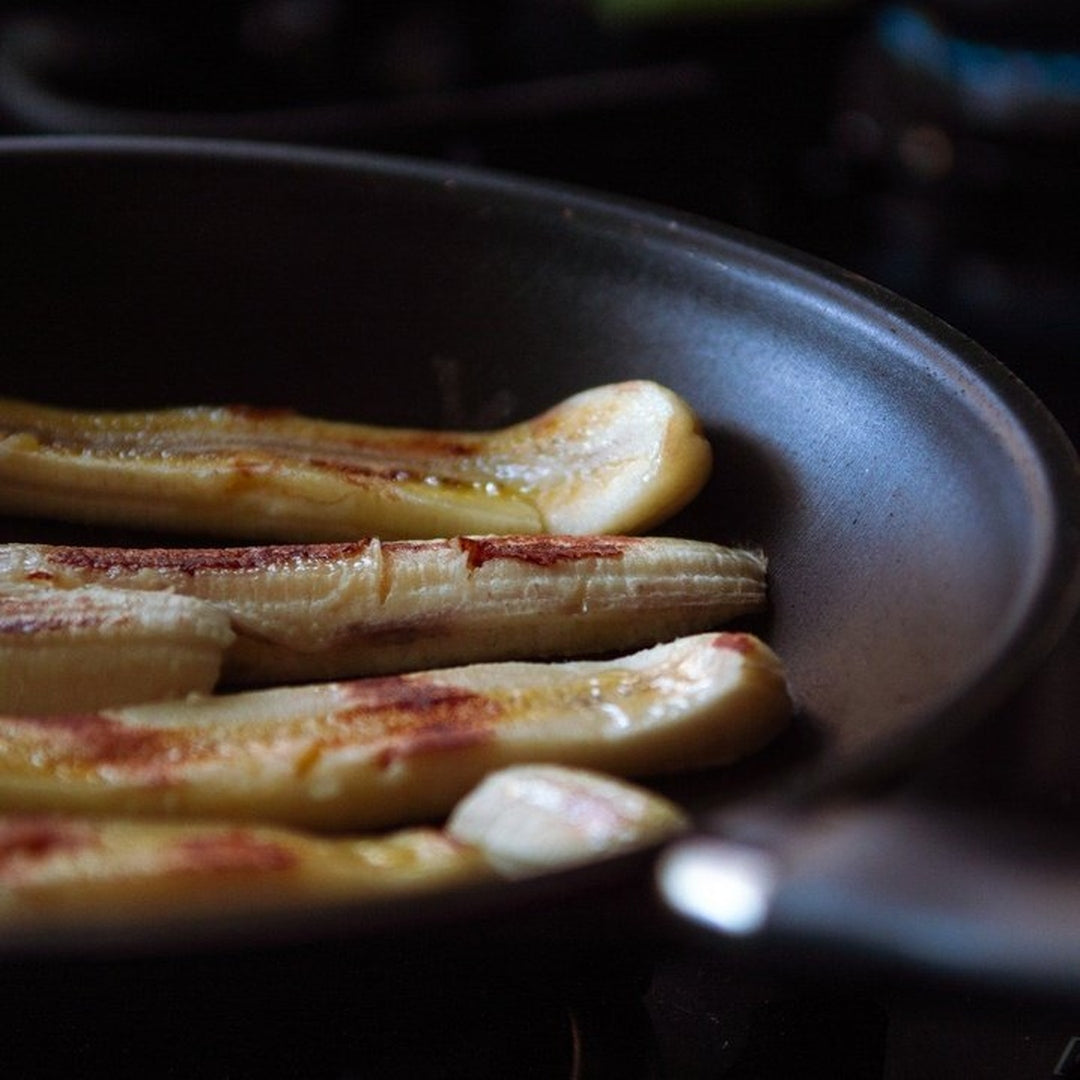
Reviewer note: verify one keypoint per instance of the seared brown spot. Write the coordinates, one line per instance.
(364, 470)
(543, 550)
(736, 642)
(418, 716)
(90, 739)
(217, 852)
(423, 444)
(203, 560)
(37, 837)
(29, 615)
(410, 694)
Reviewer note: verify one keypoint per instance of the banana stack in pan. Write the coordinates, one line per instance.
(451, 656)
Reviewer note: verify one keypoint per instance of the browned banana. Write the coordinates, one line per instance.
(57, 870)
(305, 612)
(615, 459)
(371, 753)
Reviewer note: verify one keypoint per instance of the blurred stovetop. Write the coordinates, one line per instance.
(929, 146)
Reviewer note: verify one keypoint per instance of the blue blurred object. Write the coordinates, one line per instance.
(993, 84)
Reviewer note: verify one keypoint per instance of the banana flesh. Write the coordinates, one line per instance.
(56, 869)
(613, 459)
(307, 612)
(373, 753)
(71, 650)
(128, 788)
(532, 818)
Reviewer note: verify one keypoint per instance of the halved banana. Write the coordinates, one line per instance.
(56, 869)
(371, 753)
(616, 458)
(61, 869)
(528, 819)
(64, 650)
(305, 612)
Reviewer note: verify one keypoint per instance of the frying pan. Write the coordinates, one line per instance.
(919, 506)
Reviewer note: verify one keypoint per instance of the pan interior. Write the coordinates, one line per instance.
(907, 490)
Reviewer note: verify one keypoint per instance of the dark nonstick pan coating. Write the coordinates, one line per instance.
(918, 505)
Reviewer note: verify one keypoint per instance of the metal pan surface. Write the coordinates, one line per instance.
(919, 506)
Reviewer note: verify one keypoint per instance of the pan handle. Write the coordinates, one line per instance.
(924, 890)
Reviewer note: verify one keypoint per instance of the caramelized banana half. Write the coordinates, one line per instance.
(521, 821)
(615, 459)
(306, 612)
(373, 753)
(77, 649)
